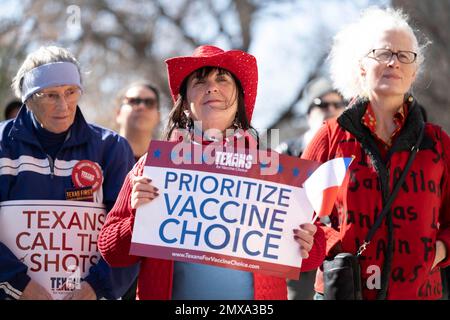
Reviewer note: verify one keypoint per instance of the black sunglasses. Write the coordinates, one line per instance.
(148, 102)
(325, 105)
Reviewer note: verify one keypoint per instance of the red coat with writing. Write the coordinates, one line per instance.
(420, 213)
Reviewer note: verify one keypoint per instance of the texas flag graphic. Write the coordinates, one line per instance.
(322, 186)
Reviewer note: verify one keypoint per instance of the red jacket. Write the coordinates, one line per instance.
(420, 212)
(156, 275)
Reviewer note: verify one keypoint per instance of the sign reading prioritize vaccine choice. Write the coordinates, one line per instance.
(225, 210)
(57, 240)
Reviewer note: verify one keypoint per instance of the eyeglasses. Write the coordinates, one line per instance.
(317, 102)
(150, 103)
(385, 55)
(70, 96)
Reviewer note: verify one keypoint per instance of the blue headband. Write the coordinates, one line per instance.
(50, 75)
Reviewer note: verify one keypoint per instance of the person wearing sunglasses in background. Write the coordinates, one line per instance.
(327, 103)
(138, 115)
(324, 103)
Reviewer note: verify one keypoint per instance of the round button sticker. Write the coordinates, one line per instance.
(87, 174)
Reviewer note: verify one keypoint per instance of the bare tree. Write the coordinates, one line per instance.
(121, 41)
(118, 41)
(432, 18)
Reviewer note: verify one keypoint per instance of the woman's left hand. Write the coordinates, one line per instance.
(441, 253)
(305, 238)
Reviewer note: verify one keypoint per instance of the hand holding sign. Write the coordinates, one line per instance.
(143, 192)
(225, 211)
(305, 238)
(34, 291)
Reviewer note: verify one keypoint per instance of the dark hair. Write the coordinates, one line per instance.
(10, 107)
(143, 83)
(177, 117)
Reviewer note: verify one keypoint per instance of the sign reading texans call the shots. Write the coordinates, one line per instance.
(57, 240)
(225, 210)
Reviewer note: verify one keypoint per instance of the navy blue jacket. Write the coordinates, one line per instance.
(28, 173)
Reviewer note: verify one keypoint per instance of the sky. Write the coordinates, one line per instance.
(288, 36)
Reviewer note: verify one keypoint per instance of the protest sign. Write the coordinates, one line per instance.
(223, 210)
(57, 240)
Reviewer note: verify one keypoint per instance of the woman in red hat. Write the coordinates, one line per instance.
(217, 89)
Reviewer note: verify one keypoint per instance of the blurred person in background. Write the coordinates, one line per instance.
(324, 103)
(138, 115)
(12, 109)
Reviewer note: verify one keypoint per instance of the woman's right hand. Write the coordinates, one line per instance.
(142, 192)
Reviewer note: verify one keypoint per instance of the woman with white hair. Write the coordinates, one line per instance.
(58, 176)
(399, 232)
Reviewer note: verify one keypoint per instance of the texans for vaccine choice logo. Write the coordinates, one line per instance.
(87, 174)
(234, 160)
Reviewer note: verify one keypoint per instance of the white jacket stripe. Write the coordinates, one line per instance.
(13, 167)
(9, 290)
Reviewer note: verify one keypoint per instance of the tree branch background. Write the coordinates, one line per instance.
(121, 41)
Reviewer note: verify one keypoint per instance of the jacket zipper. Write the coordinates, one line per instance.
(52, 166)
(50, 159)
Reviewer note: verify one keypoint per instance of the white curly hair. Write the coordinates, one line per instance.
(353, 43)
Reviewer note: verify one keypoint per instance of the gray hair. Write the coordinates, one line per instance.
(353, 43)
(40, 57)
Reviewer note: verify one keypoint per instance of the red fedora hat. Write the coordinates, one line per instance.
(241, 64)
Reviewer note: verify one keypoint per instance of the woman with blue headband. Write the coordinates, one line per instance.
(58, 177)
